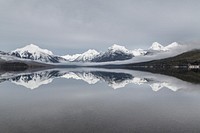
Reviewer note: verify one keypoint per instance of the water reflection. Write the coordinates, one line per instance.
(81, 100)
(114, 78)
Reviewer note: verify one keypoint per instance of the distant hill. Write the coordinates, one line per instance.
(190, 57)
(167, 66)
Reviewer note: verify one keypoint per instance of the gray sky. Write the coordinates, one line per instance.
(73, 26)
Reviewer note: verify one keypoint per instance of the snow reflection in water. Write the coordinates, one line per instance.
(114, 78)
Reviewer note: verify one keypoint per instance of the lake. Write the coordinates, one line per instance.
(97, 100)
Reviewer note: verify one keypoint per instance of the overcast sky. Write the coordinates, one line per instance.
(73, 26)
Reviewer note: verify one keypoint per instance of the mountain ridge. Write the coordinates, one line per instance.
(118, 52)
(114, 53)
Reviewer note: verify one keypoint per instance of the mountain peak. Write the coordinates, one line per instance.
(91, 51)
(88, 55)
(157, 46)
(116, 47)
(32, 45)
(33, 52)
(32, 48)
(172, 45)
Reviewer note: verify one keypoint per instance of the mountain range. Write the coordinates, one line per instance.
(114, 53)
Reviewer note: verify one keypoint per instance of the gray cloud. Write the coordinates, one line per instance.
(68, 26)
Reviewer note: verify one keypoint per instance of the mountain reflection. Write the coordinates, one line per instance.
(114, 78)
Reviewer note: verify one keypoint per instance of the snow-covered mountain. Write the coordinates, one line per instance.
(114, 53)
(35, 53)
(117, 48)
(84, 57)
(119, 53)
(158, 47)
(71, 57)
(173, 45)
(139, 52)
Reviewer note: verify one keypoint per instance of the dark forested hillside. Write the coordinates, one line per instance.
(191, 57)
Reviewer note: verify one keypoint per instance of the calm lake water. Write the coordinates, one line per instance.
(97, 101)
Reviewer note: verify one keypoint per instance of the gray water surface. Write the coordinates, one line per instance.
(97, 101)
